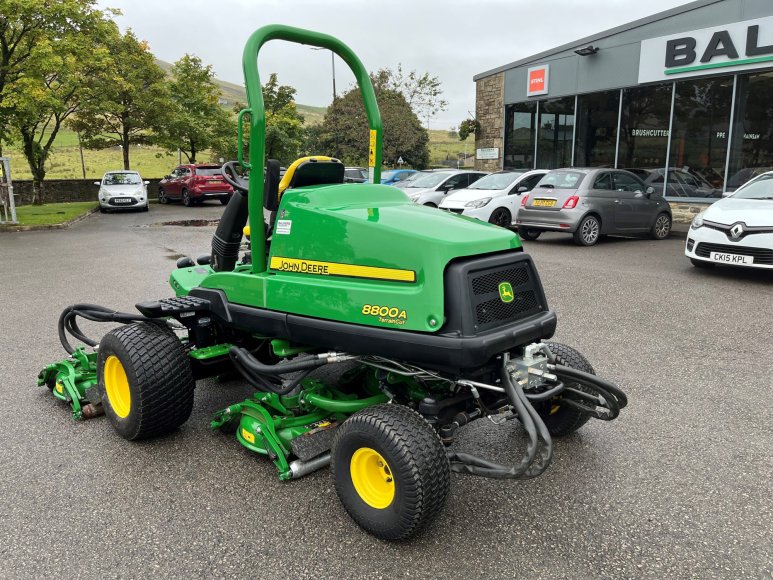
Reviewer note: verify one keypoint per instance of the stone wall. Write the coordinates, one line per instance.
(64, 190)
(683, 212)
(490, 113)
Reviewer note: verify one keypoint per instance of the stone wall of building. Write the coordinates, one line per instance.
(490, 113)
(683, 212)
(65, 190)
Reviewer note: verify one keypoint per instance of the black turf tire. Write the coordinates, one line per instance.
(162, 198)
(660, 231)
(701, 263)
(417, 459)
(584, 235)
(188, 201)
(528, 234)
(564, 420)
(160, 379)
(501, 217)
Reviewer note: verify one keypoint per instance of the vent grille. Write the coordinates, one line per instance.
(489, 309)
(488, 283)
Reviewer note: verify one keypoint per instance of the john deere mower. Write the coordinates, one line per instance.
(437, 320)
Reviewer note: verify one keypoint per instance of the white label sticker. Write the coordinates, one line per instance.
(283, 226)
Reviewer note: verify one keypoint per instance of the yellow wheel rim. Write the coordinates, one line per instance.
(117, 387)
(372, 478)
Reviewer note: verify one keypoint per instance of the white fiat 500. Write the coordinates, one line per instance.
(736, 230)
(495, 197)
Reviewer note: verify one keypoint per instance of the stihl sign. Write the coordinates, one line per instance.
(537, 80)
(739, 46)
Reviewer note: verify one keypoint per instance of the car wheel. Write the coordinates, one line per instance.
(162, 198)
(430, 204)
(588, 231)
(146, 208)
(661, 228)
(529, 234)
(701, 263)
(187, 199)
(501, 217)
(102, 210)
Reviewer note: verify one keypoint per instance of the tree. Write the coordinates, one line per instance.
(197, 121)
(26, 28)
(468, 127)
(128, 102)
(51, 86)
(344, 130)
(284, 124)
(422, 92)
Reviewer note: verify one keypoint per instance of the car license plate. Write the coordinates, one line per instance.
(731, 258)
(215, 182)
(122, 200)
(544, 203)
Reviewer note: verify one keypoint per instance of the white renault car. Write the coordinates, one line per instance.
(736, 230)
(430, 187)
(494, 198)
(122, 190)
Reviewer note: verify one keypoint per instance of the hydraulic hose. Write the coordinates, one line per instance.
(579, 376)
(539, 440)
(68, 323)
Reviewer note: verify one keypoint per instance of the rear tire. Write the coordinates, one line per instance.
(501, 217)
(187, 199)
(561, 420)
(661, 228)
(588, 232)
(529, 234)
(391, 470)
(145, 380)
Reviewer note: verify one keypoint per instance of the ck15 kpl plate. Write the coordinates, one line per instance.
(731, 258)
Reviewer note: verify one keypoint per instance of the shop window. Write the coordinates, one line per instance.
(556, 124)
(644, 127)
(520, 123)
(752, 139)
(597, 115)
(700, 135)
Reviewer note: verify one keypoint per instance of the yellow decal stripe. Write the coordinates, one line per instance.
(335, 269)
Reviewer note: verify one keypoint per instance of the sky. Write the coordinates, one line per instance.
(451, 39)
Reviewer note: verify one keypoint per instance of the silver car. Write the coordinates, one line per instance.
(591, 202)
(122, 190)
(431, 187)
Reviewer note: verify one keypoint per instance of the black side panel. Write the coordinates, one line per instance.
(473, 304)
(228, 236)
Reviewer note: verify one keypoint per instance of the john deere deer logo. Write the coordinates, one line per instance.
(506, 292)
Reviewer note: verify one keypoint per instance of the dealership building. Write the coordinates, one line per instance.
(683, 98)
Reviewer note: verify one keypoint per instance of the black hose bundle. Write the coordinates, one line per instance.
(68, 323)
(607, 396)
(539, 441)
(266, 377)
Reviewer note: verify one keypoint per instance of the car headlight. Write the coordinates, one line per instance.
(414, 197)
(478, 202)
(697, 221)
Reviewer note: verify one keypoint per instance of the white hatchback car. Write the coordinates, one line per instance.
(494, 197)
(736, 230)
(430, 187)
(122, 190)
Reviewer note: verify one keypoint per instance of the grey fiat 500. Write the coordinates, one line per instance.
(591, 202)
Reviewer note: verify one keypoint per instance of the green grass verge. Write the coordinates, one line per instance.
(52, 213)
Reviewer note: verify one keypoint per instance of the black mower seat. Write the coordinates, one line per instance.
(315, 170)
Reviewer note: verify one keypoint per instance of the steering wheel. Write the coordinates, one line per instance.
(234, 179)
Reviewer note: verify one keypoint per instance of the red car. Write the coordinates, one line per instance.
(193, 183)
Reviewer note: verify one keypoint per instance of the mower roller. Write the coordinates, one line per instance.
(435, 319)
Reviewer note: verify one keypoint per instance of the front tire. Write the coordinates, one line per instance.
(588, 232)
(661, 228)
(561, 420)
(430, 204)
(701, 263)
(501, 217)
(162, 198)
(187, 199)
(145, 380)
(391, 471)
(528, 234)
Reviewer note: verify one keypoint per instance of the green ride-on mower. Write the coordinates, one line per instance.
(439, 319)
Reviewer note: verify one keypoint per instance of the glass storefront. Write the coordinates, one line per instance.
(520, 121)
(597, 116)
(675, 136)
(556, 135)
